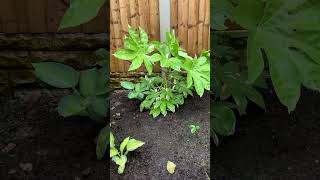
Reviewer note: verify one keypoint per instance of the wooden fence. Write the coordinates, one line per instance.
(43, 16)
(190, 19)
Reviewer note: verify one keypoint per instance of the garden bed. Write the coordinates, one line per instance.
(167, 139)
(33, 133)
(274, 144)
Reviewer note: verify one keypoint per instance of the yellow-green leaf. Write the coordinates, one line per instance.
(171, 167)
(113, 152)
(123, 144)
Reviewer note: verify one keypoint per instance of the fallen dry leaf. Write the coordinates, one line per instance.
(171, 167)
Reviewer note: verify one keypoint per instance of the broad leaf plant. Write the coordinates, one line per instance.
(182, 73)
(283, 41)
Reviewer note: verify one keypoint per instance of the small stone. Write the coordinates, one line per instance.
(112, 108)
(12, 171)
(26, 166)
(9, 147)
(86, 172)
(118, 114)
(289, 168)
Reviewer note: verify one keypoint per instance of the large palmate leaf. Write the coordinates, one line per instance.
(198, 73)
(220, 12)
(288, 32)
(80, 11)
(136, 50)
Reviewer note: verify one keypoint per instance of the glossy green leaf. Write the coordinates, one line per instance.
(125, 54)
(112, 140)
(80, 11)
(127, 85)
(56, 74)
(136, 63)
(134, 144)
(103, 141)
(223, 121)
(88, 82)
(113, 152)
(71, 105)
(276, 27)
(124, 144)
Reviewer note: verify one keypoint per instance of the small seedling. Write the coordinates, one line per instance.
(194, 129)
(120, 158)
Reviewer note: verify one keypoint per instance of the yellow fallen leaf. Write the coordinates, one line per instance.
(171, 167)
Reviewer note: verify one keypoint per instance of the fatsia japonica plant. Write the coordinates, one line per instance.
(181, 73)
(282, 40)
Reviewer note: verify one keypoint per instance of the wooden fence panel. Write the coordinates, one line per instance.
(43, 16)
(190, 19)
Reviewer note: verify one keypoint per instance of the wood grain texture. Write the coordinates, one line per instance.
(43, 16)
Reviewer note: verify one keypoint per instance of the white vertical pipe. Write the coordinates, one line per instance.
(164, 13)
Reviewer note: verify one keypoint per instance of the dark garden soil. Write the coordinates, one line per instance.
(167, 139)
(273, 145)
(36, 143)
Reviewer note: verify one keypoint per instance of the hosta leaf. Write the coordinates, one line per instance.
(124, 144)
(276, 27)
(134, 144)
(103, 141)
(98, 107)
(80, 11)
(113, 152)
(56, 74)
(112, 140)
(88, 82)
(71, 105)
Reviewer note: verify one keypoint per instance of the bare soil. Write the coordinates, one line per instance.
(36, 143)
(167, 139)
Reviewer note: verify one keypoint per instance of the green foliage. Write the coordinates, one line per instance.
(102, 142)
(56, 74)
(183, 74)
(294, 59)
(126, 146)
(194, 129)
(80, 11)
(282, 40)
(89, 99)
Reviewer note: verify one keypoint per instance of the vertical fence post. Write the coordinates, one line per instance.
(164, 13)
